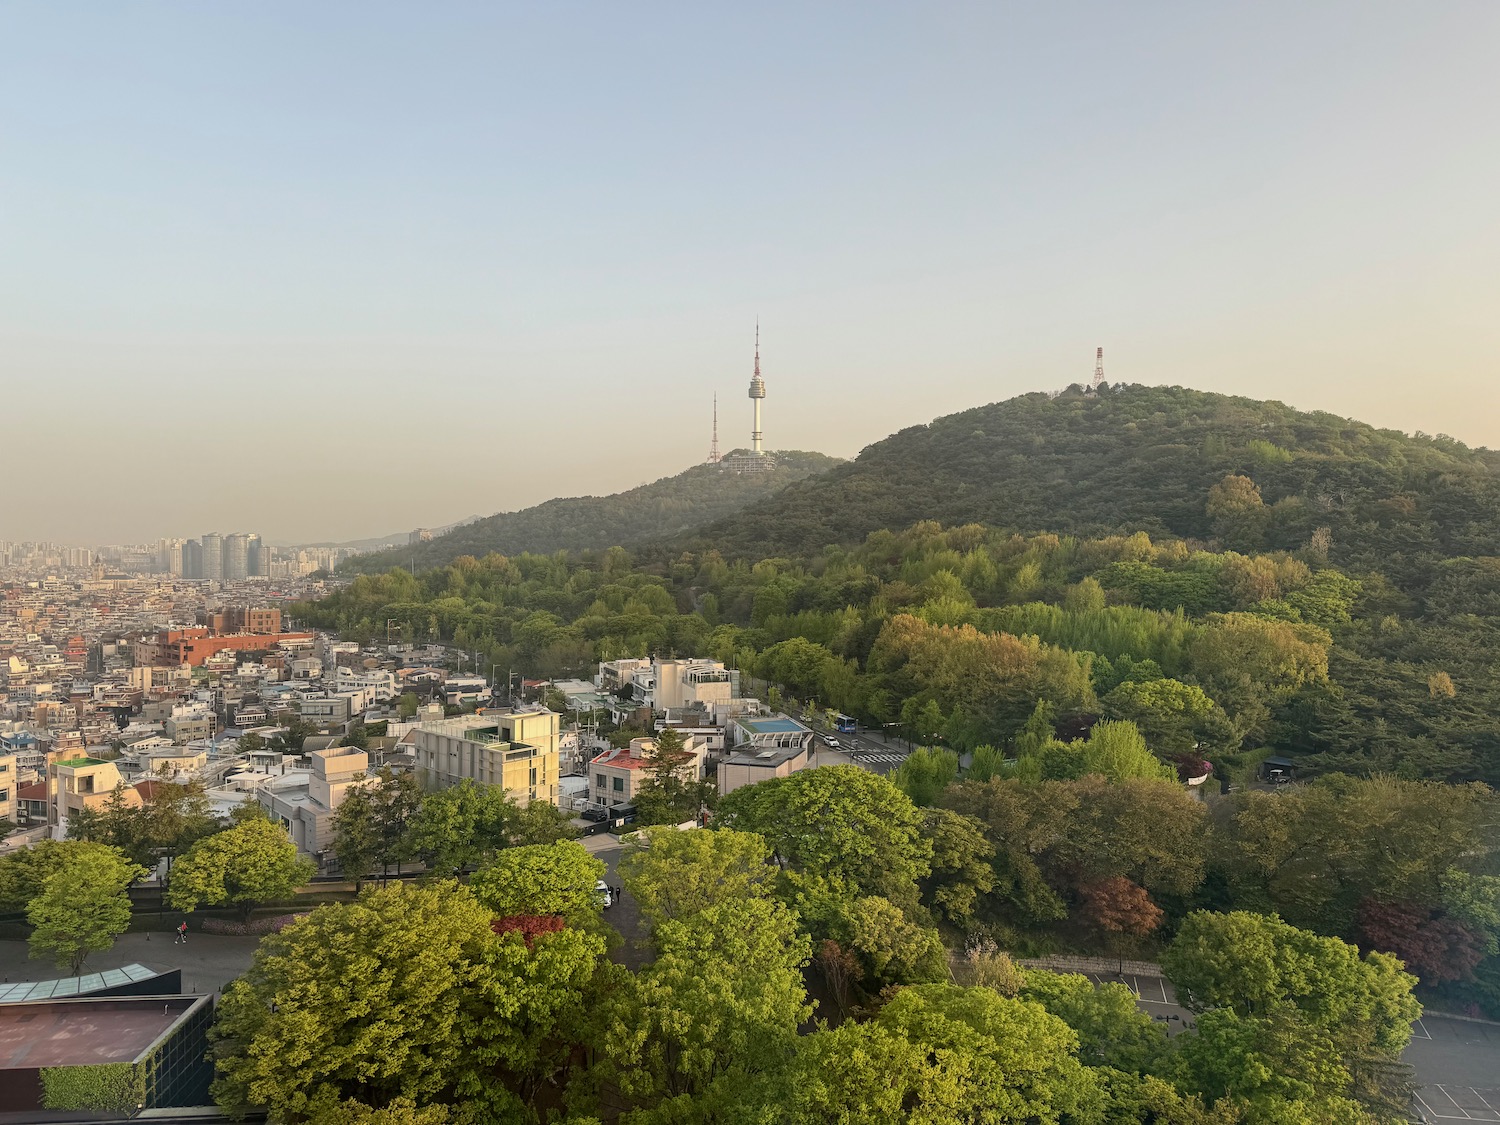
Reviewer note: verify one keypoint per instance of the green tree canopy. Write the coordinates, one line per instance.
(1019, 1062)
(723, 998)
(251, 863)
(557, 878)
(456, 827)
(1258, 966)
(840, 822)
(405, 996)
(82, 905)
(673, 875)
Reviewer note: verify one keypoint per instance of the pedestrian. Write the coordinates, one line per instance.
(181, 934)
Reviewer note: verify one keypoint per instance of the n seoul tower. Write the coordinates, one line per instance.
(757, 392)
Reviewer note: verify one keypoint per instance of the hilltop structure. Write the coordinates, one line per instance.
(757, 460)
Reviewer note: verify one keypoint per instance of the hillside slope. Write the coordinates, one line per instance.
(657, 510)
(1137, 458)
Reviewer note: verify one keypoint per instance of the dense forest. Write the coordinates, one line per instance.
(958, 634)
(652, 511)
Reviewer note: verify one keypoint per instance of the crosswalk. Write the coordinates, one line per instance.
(877, 756)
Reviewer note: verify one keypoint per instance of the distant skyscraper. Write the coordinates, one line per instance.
(192, 559)
(236, 557)
(213, 556)
(175, 560)
(258, 558)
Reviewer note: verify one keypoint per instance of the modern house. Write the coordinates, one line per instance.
(304, 801)
(516, 748)
(615, 776)
(752, 765)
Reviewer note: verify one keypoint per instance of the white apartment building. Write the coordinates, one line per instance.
(380, 683)
(692, 683)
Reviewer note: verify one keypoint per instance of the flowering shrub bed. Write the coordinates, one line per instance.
(256, 927)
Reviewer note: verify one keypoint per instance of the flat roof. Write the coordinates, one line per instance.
(781, 725)
(85, 1032)
(77, 762)
(766, 759)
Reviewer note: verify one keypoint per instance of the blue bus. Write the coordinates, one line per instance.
(844, 724)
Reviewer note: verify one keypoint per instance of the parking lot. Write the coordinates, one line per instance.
(1457, 1062)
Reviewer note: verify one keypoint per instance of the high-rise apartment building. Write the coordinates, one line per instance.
(258, 557)
(213, 556)
(236, 557)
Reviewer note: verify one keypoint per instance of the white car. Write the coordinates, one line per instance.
(833, 743)
(606, 896)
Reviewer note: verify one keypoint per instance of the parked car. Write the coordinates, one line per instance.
(596, 812)
(606, 895)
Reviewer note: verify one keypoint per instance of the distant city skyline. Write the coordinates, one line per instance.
(333, 274)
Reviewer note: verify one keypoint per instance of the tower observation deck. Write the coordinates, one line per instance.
(757, 460)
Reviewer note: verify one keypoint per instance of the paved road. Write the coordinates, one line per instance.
(625, 914)
(868, 749)
(1458, 1064)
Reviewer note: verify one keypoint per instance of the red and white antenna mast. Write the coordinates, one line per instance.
(1098, 370)
(713, 448)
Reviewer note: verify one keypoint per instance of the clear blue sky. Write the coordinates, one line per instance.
(336, 269)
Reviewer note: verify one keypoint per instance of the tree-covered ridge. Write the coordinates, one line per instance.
(657, 510)
(1136, 458)
(958, 634)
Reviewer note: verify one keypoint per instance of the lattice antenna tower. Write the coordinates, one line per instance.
(1098, 370)
(713, 446)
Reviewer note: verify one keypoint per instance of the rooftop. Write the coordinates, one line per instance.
(79, 763)
(778, 724)
(22, 991)
(767, 759)
(79, 1032)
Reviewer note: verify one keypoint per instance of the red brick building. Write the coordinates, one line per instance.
(194, 646)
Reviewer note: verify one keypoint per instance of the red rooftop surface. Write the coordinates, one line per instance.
(83, 1032)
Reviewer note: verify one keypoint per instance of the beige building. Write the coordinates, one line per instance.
(762, 764)
(691, 683)
(8, 788)
(513, 748)
(79, 783)
(189, 727)
(173, 764)
(616, 775)
(304, 801)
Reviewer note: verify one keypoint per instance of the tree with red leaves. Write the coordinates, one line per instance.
(1121, 910)
(1434, 946)
(529, 926)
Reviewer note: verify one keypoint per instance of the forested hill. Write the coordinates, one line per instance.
(1135, 458)
(658, 510)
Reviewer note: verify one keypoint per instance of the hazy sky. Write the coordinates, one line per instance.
(329, 270)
